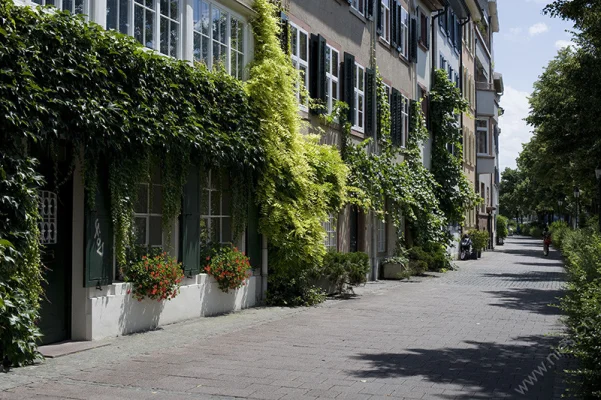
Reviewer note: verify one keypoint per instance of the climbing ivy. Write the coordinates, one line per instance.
(395, 176)
(302, 180)
(454, 192)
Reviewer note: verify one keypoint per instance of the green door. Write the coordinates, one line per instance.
(56, 240)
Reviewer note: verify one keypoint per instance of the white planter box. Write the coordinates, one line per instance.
(393, 271)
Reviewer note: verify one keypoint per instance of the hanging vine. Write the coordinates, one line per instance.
(302, 181)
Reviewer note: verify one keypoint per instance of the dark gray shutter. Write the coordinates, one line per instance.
(370, 9)
(399, 30)
(395, 24)
(459, 37)
(411, 118)
(285, 32)
(427, 36)
(413, 40)
(349, 85)
(317, 69)
(98, 237)
(370, 75)
(379, 22)
(190, 230)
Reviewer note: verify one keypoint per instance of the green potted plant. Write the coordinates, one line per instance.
(229, 267)
(479, 240)
(396, 267)
(502, 229)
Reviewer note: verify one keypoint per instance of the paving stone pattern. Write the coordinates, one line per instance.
(474, 333)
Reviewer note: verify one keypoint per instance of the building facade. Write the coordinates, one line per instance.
(337, 46)
(489, 89)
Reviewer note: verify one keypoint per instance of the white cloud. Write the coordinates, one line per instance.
(538, 28)
(561, 44)
(514, 130)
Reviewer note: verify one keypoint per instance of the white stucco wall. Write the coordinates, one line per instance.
(113, 312)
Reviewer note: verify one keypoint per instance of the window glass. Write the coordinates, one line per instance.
(404, 33)
(332, 66)
(381, 226)
(215, 206)
(404, 120)
(385, 11)
(359, 98)
(300, 61)
(331, 240)
(148, 212)
(358, 5)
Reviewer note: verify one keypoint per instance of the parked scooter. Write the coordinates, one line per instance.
(466, 248)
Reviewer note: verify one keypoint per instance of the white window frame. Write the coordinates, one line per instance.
(404, 33)
(60, 4)
(157, 17)
(298, 62)
(230, 51)
(385, 11)
(404, 120)
(208, 218)
(381, 228)
(149, 214)
(359, 6)
(359, 97)
(331, 239)
(485, 131)
(332, 79)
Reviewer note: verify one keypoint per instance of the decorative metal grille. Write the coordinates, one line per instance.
(48, 206)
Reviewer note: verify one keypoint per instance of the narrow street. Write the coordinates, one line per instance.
(474, 333)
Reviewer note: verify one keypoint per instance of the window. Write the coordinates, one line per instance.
(215, 210)
(300, 60)
(385, 10)
(218, 38)
(381, 227)
(404, 33)
(332, 75)
(359, 5)
(75, 6)
(483, 205)
(331, 240)
(424, 29)
(359, 97)
(404, 120)
(154, 23)
(482, 136)
(148, 212)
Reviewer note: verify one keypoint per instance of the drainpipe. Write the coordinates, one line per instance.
(374, 147)
(435, 39)
(264, 270)
(461, 80)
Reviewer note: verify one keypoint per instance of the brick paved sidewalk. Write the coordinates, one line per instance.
(475, 333)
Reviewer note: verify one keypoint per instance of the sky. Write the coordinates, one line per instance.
(525, 44)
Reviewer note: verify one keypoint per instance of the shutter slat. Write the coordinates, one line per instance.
(349, 85)
(321, 62)
(317, 70)
(98, 237)
(395, 117)
(395, 27)
(190, 242)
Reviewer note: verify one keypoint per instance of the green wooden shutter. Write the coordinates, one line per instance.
(349, 85)
(253, 238)
(370, 75)
(413, 40)
(98, 237)
(285, 33)
(190, 224)
(317, 70)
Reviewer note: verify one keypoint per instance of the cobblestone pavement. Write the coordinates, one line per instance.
(474, 333)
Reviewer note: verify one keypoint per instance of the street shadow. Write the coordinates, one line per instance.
(554, 263)
(529, 276)
(484, 369)
(537, 301)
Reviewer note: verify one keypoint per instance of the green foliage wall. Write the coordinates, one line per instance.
(103, 93)
(302, 180)
(454, 191)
